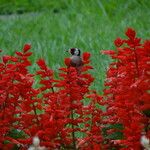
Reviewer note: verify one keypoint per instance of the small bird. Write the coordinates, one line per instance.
(75, 59)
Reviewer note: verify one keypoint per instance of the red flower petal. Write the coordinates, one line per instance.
(41, 63)
(67, 61)
(130, 33)
(6, 58)
(86, 56)
(118, 42)
(26, 47)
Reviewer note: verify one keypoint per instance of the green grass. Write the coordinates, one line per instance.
(52, 26)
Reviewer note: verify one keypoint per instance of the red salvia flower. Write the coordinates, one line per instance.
(18, 99)
(130, 33)
(127, 95)
(64, 107)
(67, 62)
(86, 57)
(26, 48)
(118, 42)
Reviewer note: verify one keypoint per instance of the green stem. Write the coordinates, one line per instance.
(73, 134)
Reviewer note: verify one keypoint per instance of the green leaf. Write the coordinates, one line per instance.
(15, 133)
(115, 136)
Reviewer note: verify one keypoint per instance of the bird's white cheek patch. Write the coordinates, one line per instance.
(76, 52)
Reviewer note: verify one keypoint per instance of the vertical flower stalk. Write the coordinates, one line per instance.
(17, 96)
(128, 89)
(75, 86)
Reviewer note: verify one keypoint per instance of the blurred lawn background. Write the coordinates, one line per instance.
(52, 26)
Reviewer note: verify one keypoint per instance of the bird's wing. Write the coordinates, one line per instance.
(76, 61)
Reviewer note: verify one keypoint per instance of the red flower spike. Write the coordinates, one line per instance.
(130, 33)
(18, 99)
(61, 105)
(26, 48)
(126, 95)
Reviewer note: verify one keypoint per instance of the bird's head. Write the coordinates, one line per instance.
(75, 51)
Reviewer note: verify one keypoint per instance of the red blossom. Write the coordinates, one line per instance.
(26, 48)
(118, 42)
(130, 33)
(67, 61)
(41, 63)
(86, 56)
(6, 58)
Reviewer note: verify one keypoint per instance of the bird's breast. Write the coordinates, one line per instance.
(76, 61)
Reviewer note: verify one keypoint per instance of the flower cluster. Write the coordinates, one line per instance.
(67, 122)
(127, 93)
(63, 113)
(19, 101)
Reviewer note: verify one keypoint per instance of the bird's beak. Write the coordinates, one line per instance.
(67, 51)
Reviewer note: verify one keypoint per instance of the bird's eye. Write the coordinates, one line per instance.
(72, 50)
